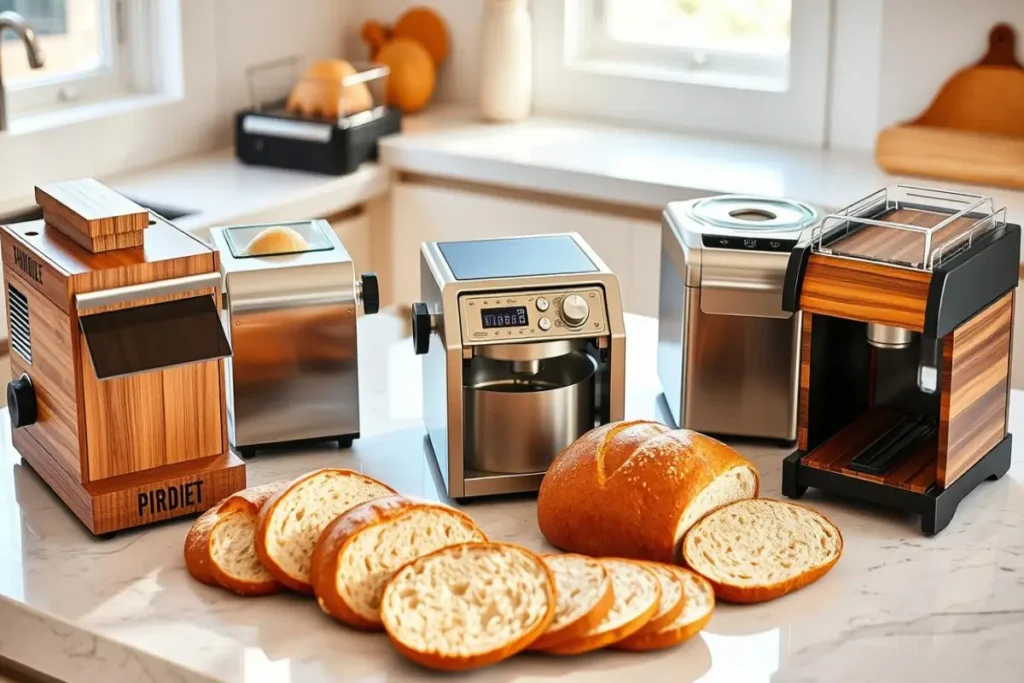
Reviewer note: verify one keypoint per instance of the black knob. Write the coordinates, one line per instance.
(371, 293)
(21, 401)
(421, 327)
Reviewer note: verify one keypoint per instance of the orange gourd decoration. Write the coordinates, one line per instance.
(413, 50)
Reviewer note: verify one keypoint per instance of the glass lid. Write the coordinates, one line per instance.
(911, 227)
(276, 239)
(762, 214)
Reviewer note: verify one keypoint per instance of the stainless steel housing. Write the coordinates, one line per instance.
(457, 428)
(728, 355)
(291, 320)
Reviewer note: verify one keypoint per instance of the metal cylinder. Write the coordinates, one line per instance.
(889, 336)
(518, 423)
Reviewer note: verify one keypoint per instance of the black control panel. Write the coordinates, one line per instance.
(748, 243)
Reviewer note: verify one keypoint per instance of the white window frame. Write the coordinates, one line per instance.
(125, 66)
(576, 75)
(594, 50)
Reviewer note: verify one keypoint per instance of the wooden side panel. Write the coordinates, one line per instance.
(21, 256)
(52, 373)
(169, 492)
(67, 486)
(804, 398)
(975, 376)
(151, 419)
(868, 292)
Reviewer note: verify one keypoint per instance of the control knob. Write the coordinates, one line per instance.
(575, 310)
(21, 402)
(422, 324)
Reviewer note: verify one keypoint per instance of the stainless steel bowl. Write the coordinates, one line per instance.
(519, 422)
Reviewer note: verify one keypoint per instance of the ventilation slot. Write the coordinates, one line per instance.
(21, 333)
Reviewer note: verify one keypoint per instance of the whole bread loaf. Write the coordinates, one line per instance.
(632, 489)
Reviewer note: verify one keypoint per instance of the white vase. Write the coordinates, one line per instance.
(506, 61)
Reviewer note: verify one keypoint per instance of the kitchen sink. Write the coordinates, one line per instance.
(35, 213)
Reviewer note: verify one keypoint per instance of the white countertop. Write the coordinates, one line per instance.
(897, 607)
(635, 167)
(217, 189)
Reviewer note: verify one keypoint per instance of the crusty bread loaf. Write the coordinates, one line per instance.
(637, 596)
(220, 546)
(757, 550)
(358, 552)
(291, 522)
(585, 595)
(699, 603)
(632, 489)
(468, 605)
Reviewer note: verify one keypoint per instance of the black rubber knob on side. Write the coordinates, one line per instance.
(371, 293)
(421, 327)
(21, 402)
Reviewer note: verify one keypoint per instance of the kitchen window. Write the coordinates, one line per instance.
(740, 43)
(89, 52)
(742, 68)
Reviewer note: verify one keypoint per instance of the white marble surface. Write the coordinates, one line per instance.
(897, 607)
(637, 166)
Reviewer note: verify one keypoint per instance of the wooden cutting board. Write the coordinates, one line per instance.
(974, 129)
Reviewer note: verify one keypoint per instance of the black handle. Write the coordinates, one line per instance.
(421, 328)
(21, 402)
(371, 293)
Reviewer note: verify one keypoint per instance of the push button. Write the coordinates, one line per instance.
(542, 304)
(544, 324)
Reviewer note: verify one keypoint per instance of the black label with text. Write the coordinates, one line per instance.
(28, 265)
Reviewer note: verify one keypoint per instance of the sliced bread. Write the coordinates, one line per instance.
(699, 604)
(757, 550)
(632, 489)
(358, 552)
(291, 522)
(468, 605)
(673, 597)
(585, 595)
(220, 547)
(637, 595)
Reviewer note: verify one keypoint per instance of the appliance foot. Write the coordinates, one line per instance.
(345, 442)
(937, 516)
(247, 453)
(107, 536)
(791, 488)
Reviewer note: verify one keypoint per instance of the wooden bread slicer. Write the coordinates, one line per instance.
(117, 350)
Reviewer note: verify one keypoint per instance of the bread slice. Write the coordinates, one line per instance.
(637, 595)
(291, 522)
(757, 550)
(699, 604)
(469, 605)
(358, 552)
(220, 547)
(632, 489)
(585, 595)
(673, 597)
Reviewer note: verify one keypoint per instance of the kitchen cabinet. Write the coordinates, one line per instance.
(423, 212)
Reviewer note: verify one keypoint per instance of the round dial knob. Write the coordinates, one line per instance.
(21, 402)
(575, 310)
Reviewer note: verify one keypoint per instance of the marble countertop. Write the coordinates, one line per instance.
(897, 607)
(639, 167)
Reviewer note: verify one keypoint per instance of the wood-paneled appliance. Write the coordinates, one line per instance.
(117, 350)
(907, 300)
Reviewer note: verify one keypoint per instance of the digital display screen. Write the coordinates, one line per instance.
(512, 316)
(748, 243)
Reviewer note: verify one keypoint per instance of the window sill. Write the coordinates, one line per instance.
(661, 74)
(35, 122)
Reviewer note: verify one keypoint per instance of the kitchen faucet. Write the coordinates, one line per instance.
(17, 23)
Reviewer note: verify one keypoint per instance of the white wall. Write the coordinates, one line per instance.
(219, 39)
